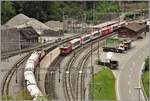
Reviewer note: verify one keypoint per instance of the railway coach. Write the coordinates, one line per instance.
(95, 34)
(106, 30)
(86, 38)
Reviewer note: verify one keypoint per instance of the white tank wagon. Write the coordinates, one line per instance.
(29, 76)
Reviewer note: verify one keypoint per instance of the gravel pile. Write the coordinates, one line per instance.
(55, 25)
(20, 21)
(17, 20)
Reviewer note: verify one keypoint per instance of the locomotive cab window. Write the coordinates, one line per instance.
(66, 45)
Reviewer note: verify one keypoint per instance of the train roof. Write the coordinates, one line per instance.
(75, 40)
(86, 35)
(104, 24)
(122, 22)
(95, 32)
(68, 43)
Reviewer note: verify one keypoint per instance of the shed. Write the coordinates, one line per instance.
(131, 30)
(13, 39)
(29, 34)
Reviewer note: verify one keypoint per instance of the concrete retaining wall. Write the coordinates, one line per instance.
(44, 65)
(9, 40)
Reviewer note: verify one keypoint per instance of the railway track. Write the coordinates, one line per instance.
(54, 44)
(81, 74)
(70, 93)
(7, 79)
(68, 87)
(9, 75)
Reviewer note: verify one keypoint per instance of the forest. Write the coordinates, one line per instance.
(54, 10)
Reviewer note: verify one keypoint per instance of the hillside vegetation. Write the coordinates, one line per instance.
(54, 10)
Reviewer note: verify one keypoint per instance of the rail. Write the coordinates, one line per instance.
(68, 87)
(10, 54)
(9, 75)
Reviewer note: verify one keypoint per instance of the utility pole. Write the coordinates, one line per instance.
(92, 70)
(91, 54)
(138, 89)
(84, 22)
(20, 43)
(119, 10)
(16, 73)
(98, 51)
(63, 26)
(93, 12)
(38, 71)
(59, 73)
(7, 43)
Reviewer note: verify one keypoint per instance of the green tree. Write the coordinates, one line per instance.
(53, 10)
(7, 11)
(35, 9)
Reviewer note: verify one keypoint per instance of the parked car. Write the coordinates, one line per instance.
(139, 37)
(112, 64)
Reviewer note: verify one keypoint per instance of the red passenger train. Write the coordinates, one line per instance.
(73, 44)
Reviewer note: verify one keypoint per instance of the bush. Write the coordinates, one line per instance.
(147, 63)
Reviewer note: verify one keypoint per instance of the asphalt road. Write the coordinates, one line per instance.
(129, 72)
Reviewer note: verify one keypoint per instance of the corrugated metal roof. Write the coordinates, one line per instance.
(135, 26)
(51, 33)
(28, 32)
(75, 40)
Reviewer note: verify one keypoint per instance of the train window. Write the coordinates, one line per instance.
(115, 27)
(76, 43)
(96, 34)
(86, 38)
(105, 31)
(123, 24)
